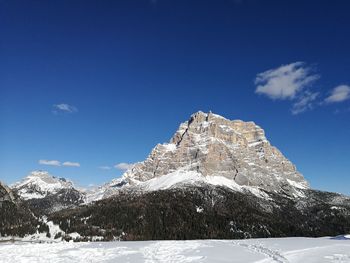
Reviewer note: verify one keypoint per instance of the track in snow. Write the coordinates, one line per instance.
(259, 248)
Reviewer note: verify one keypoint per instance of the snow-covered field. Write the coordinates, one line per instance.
(254, 250)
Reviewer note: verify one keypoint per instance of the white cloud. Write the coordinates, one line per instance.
(58, 163)
(50, 162)
(339, 94)
(105, 167)
(304, 102)
(285, 82)
(71, 164)
(64, 108)
(123, 166)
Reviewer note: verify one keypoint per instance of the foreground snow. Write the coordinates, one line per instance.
(254, 250)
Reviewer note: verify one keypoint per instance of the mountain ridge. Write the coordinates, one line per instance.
(205, 149)
(215, 178)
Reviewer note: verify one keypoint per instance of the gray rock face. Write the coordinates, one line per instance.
(214, 146)
(16, 219)
(5, 194)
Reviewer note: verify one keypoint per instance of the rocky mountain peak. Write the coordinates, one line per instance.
(216, 126)
(211, 146)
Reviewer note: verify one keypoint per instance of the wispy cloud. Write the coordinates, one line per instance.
(123, 166)
(289, 82)
(304, 102)
(105, 167)
(50, 162)
(64, 108)
(339, 94)
(286, 81)
(71, 164)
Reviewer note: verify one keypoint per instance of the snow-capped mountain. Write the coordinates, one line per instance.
(39, 184)
(48, 193)
(216, 178)
(209, 149)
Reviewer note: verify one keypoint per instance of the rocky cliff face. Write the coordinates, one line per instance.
(5, 194)
(214, 146)
(15, 216)
(211, 149)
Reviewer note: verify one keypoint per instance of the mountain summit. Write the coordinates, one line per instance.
(210, 149)
(48, 193)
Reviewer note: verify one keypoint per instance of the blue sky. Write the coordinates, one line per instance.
(91, 84)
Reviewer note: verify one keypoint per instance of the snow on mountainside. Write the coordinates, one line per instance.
(39, 184)
(45, 193)
(215, 179)
(209, 149)
(206, 150)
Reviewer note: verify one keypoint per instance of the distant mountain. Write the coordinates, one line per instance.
(39, 184)
(46, 193)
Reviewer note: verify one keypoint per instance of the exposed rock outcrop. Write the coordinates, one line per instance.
(211, 149)
(5, 194)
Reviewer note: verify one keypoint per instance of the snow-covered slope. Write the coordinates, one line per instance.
(283, 250)
(209, 149)
(39, 184)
